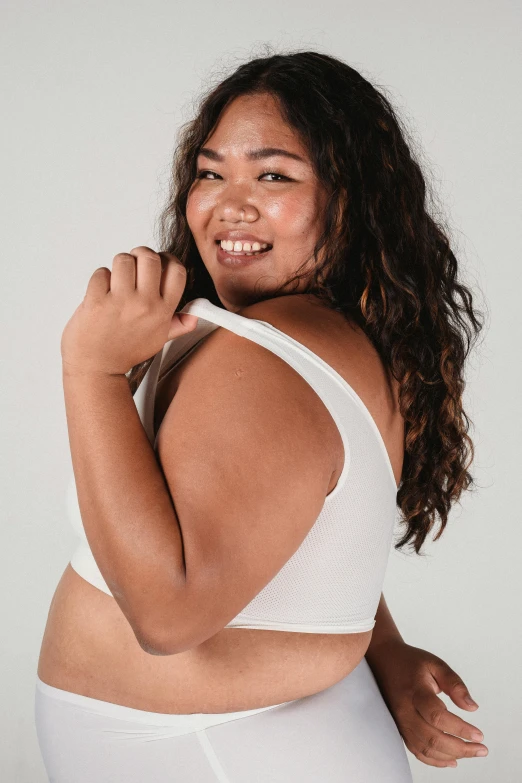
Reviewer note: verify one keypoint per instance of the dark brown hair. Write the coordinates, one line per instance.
(386, 262)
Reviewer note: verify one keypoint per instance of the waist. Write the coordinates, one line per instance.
(89, 648)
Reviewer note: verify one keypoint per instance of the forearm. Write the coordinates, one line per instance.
(126, 508)
(384, 630)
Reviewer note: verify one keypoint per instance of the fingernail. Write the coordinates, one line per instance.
(477, 735)
(452, 763)
(482, 752)
(470, 701)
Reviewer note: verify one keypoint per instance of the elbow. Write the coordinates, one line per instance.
(149, 640)
(162, 630)
(158, 629)
(153, 648)
(159, 643)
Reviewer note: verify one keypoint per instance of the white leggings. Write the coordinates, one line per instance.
(344, 733)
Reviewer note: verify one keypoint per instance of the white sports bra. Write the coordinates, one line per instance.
(333, 581)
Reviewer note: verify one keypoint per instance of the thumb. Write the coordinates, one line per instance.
(450, 683)
(189, 321)
(181, 323)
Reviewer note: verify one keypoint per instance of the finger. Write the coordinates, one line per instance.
(421, 745)
(148, 271)
(435, 712)
(450, 683)
(99, 284)
(436, 762)
(173, 281)
(435, 742)
(416, 745)
(123, 277)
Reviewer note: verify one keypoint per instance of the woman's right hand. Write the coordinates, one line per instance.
(409, 679)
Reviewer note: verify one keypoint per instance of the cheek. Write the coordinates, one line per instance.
(199, 207)
(293, 217)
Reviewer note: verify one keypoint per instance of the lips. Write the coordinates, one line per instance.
(231, 260)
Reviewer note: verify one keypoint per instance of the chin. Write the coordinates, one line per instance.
(235, 292)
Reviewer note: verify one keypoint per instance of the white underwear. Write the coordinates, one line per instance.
(343, 734)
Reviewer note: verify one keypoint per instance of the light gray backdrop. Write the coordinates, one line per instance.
(92, 96)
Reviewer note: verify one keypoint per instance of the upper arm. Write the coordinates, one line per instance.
(248, 450)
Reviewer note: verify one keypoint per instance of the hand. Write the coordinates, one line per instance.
(409, 679)
(126, 316)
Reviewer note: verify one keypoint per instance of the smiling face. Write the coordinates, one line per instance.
(272, 198)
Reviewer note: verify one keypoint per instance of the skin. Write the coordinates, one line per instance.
(287, 214)
(233, 193)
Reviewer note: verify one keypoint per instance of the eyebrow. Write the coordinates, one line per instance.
(264, 152)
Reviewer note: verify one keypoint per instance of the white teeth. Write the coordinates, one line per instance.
(238, 247)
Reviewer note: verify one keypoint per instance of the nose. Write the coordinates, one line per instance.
(236, 213)
(235, 203)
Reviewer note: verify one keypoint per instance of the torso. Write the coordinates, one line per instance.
(89, 648)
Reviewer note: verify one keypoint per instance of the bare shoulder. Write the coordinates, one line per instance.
(225, 358)
(228, 354)
(329, 334)
(343, 345)
(229, 375)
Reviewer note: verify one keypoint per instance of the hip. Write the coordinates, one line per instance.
(344, 732)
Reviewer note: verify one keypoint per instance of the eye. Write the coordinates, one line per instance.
(274, 174)
(201, 175)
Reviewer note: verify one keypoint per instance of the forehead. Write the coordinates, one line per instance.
(254, 121)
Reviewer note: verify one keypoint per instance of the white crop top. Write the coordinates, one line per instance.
(333, 581)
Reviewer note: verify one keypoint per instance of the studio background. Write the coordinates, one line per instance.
(93, 95)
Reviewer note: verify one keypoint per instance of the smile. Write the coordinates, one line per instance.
(239, 258)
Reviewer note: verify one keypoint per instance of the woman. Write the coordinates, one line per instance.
(223, 617)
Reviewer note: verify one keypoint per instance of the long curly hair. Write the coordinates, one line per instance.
(386, 262)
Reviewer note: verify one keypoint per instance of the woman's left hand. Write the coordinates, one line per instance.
(127, 315)
(409, 679)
